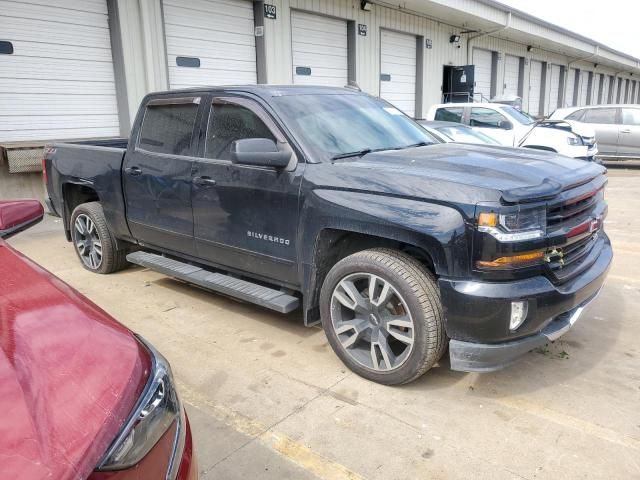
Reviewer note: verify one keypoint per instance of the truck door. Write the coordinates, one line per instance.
(245, 217)
(157, 174)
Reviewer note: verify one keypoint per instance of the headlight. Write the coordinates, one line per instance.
(574, 140)
(155, 412)
(514, 226)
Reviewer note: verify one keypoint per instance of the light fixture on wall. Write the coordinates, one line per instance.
(454, 39)
(529, 48)
(365, 5)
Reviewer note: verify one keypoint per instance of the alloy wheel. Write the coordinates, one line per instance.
(372, 321)
(87, 241)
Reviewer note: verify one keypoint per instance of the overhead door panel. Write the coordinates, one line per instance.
(398, 70)
(482, 59)
(59, 82)
(319, 48)
(535, 87)
(210, 42)
(511, 75)
(584, 88)
(554, 87)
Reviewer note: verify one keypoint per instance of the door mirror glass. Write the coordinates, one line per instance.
(260, 152)
(18, 215)
(505, 125)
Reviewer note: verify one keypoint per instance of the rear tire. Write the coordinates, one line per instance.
(93, 242)
(382, 315)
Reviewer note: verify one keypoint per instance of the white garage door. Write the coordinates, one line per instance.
(535, 87)
(398, 70)
(210, 42)
(511, 74)
(584, 88)
(571, 87)
(482, 59)
(319, 48)
(58, 83)
(554, 88)
(596, 88)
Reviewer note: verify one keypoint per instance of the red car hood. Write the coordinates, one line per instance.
(69, 375)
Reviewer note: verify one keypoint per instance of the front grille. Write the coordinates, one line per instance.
(577, 220)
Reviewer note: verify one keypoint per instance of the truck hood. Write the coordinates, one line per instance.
(69, 375)
(517, 174)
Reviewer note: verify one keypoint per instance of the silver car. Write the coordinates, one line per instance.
(617, 128)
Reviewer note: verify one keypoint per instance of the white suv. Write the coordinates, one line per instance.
(513, 128)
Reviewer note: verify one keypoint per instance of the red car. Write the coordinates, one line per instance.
(81, 396)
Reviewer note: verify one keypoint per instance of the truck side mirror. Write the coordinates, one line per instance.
(259, 151)
(505, 125)
(18, 215)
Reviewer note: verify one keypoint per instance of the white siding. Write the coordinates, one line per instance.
(511, 74)
(595, 88)
(571, 85)
(535, 87)
(59, 82)
(482, 59)
(398, 64)
(320, 44)
(218, 32)
(554, 88)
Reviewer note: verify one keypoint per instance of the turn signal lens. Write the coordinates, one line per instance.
(488, 220)
(518, 260)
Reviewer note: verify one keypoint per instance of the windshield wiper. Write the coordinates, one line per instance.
(419, 144)
(359, 153)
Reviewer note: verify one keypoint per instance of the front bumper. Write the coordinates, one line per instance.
(477, 314)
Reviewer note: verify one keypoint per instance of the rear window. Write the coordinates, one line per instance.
(600, 115)
(449, 114)
(167, 128)
(577, 115)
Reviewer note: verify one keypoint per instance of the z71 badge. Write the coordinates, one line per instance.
(268, 238)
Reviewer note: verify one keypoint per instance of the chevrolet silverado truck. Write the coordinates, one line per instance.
(333, 201)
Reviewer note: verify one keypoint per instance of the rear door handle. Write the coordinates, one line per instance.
(626, 130)
(133, 171)
(204, 181)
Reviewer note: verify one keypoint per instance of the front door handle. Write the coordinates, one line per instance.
(204, 181)
(626, 130)
(135, 171)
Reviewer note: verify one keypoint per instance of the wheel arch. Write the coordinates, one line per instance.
(75, 193)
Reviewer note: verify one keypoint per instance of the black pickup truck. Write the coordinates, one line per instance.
(335, 201)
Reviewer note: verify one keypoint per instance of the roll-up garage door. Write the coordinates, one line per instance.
(319, 47)
(58, 83)
(596, 88)
(482, 59)
(535, 87)
(398, 70)
(210, 42)
(584, 88)
(571, 86)
(554, 88)
(511, 74)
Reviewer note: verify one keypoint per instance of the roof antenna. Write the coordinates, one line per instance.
(353, 85)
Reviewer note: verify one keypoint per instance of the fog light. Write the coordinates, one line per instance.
(518, 314)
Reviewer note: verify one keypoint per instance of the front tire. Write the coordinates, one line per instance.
(93, 241)
(382, 315)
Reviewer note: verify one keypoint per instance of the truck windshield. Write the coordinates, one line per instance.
(336, 125)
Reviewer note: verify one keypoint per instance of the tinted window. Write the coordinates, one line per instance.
(168, 128)
(229, 122)
(631, 116)
(577, 115)
(519, 116)
(485, 117)
(449, 114)
(600, 115)
(336, 124)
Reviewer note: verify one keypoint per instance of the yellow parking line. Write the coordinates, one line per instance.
(296, 452)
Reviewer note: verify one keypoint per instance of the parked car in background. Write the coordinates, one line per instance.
(456, 132)
(617, 128)
(81, 396)
(514, 128)
(334, 201)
